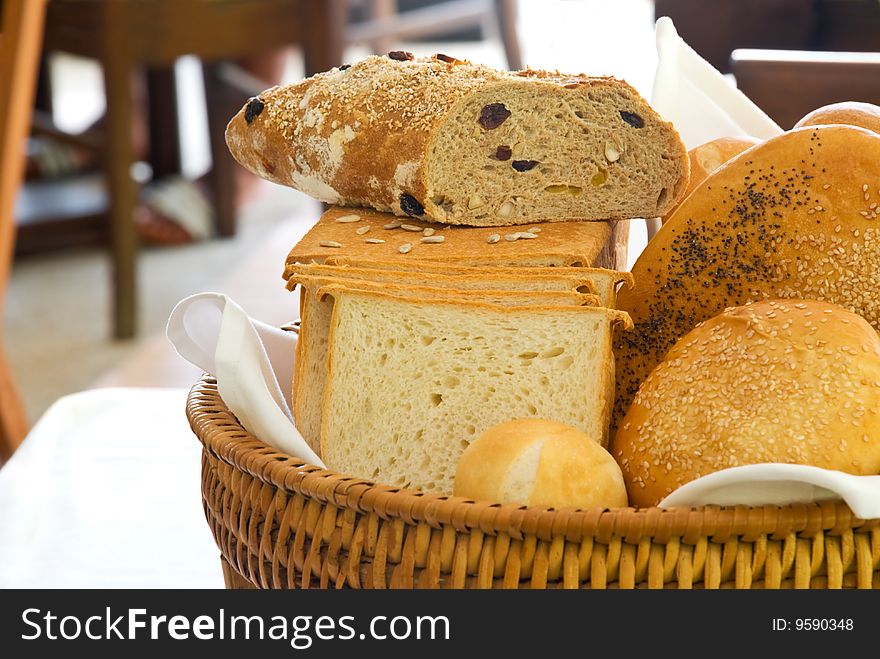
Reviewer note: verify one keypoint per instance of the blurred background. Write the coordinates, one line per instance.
(130, 202)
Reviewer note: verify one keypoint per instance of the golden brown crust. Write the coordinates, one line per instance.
(439, 267)
(791, 218)
(558, 243)
(708, 157)
(791, 381)
(360, 136)
(850, 113)
(564, 298)
(618, 319)
(570, 469)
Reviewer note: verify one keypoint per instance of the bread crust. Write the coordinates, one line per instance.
(789, 381)
(850, 113)
(362, 135)
(707, 158)
(790, 218)
(558, 243)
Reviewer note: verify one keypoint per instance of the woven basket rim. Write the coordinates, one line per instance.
(223, 437)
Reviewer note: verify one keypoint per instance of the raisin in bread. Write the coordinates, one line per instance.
(412, 382)
(460, 143)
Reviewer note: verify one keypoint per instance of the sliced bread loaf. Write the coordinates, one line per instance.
(603, 281)
(502, 279)
(412, 382)
(315, 314)
(360, 233)
(459, 143)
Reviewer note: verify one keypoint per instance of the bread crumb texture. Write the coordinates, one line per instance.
(794, 217)
(775, 381)
(412, 383)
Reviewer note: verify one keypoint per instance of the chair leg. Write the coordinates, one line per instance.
(506, 12)
(325, 34)
(222, 174)
(13, 422)
(382, 10)
(118, 159)
(164, 132)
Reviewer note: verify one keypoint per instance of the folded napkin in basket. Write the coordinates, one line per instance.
(253, 364)
(701, 103)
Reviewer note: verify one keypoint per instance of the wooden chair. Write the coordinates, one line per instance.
(787, 84)
(385, 26)
(126, 35)
(714, 29)
(21, 28)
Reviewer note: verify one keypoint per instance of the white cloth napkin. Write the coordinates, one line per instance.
(253, 364)
(701, 103)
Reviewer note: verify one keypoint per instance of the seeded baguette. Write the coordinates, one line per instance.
(412, 382)
(460, 143)
(315, 314)
(796, 216)
(557, 244)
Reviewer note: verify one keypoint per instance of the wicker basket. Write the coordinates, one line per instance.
(280, 523)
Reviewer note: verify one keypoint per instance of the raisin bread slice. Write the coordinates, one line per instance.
(459, 143)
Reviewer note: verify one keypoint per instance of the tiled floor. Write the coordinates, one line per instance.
(58, 305)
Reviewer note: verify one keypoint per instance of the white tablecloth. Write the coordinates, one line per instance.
(104, 493)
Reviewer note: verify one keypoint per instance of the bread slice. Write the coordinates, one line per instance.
(603, 281)
(459, 143)
(315, 314)
(412, 382)
(468, 279)
(554, 244)
(796, 216)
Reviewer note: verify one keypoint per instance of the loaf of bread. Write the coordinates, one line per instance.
(340, 233)
(316, 313)
(708, 157)
(601, 281)
(453, 142)
(794, 381)
(539, 463)
(796, 216)
(411, 383)
(850, 113)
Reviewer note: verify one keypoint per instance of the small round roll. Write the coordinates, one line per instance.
(708, 157)
(850, 113)
(538, 462)
(792, 381)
